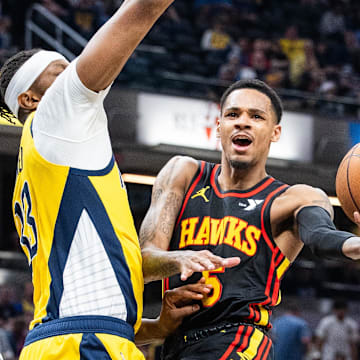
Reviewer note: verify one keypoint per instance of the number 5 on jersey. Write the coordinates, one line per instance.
(22, 211)
(212, 279)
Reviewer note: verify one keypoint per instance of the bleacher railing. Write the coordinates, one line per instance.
(60, 30)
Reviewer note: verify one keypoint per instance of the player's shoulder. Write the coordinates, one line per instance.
(181, 164)
(305, 193)
(295, 197)
(178, 172)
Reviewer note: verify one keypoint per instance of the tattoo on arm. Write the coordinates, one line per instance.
(168, 213)
(164, 207)
(147, 231)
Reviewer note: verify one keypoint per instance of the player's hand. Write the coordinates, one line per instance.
(351, 247)
(197, 261)
(357, 218)
(179, 303)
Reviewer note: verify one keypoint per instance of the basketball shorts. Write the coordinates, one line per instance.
(59, 339)
(224, 342)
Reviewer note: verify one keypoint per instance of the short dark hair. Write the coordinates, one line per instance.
(8, 70)
(259, 86)
(340, 304)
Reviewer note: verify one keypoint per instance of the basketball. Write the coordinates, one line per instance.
(348, 182)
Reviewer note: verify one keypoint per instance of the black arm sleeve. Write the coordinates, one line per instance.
(319, 233)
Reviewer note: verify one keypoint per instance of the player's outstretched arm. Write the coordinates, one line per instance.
(156, 230)
(177, 304)
(108, 50)
(314, 220)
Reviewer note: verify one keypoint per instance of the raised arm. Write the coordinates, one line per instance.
(157, 228)
(107, 52)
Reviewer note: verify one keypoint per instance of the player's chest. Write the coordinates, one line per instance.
(231, 223)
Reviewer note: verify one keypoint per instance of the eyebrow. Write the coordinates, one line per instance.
(251, 110)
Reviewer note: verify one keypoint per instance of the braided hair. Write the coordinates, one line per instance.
(7, 72)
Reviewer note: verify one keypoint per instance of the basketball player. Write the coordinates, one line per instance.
(236, 209)
(70, 204)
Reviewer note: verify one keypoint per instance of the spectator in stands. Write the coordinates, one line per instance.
(27, 302)
(242, 49)
(259, 63)
(87, 16)
(310, 69)
(338, 334)
(216, 38)
(278, 73)
(5, 35)
(58, 9)
(294, 48)
(332, 23)
(19, 332)
(353, 49)
(291, 334)
(9, 306)
(229, 71)
(6, 43)
(6, 349)
(17, 11)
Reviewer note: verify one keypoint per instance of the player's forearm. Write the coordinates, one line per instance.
(151, 9)
(317, 231)
(351, 248)
(149, 332)
(158, 264)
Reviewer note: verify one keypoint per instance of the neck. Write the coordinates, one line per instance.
(240, 179)
(23, 115)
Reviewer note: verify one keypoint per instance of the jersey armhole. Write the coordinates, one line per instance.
(265, 216)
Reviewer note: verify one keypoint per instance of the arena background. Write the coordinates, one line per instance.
(165, 102)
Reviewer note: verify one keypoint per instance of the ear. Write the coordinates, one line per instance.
(28, 100)
(218, 129)
(276, 133)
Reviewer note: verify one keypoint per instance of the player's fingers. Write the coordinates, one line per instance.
(204, 262)
(218, 261)
(186, 273)
(231, 262)
(179, 297)
(186, 311)
(198, 288)
(210, 258)
(357, 217)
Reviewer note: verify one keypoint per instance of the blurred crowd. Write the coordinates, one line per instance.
(16, 313)
(307, 45)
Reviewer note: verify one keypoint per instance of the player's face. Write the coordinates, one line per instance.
(247, 127)
(48, 76)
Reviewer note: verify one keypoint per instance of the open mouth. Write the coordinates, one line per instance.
(243, 142)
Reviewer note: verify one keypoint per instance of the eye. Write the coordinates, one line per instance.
(231, 114)
(257, 116)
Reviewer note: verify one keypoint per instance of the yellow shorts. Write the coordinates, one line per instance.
(43, 344)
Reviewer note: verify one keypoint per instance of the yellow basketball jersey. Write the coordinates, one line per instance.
(77, 231)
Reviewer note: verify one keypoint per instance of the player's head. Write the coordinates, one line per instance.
(250, 115)
(26, 76)
(259, 86)
(340, 308)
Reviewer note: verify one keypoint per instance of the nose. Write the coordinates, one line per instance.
(243, 121)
